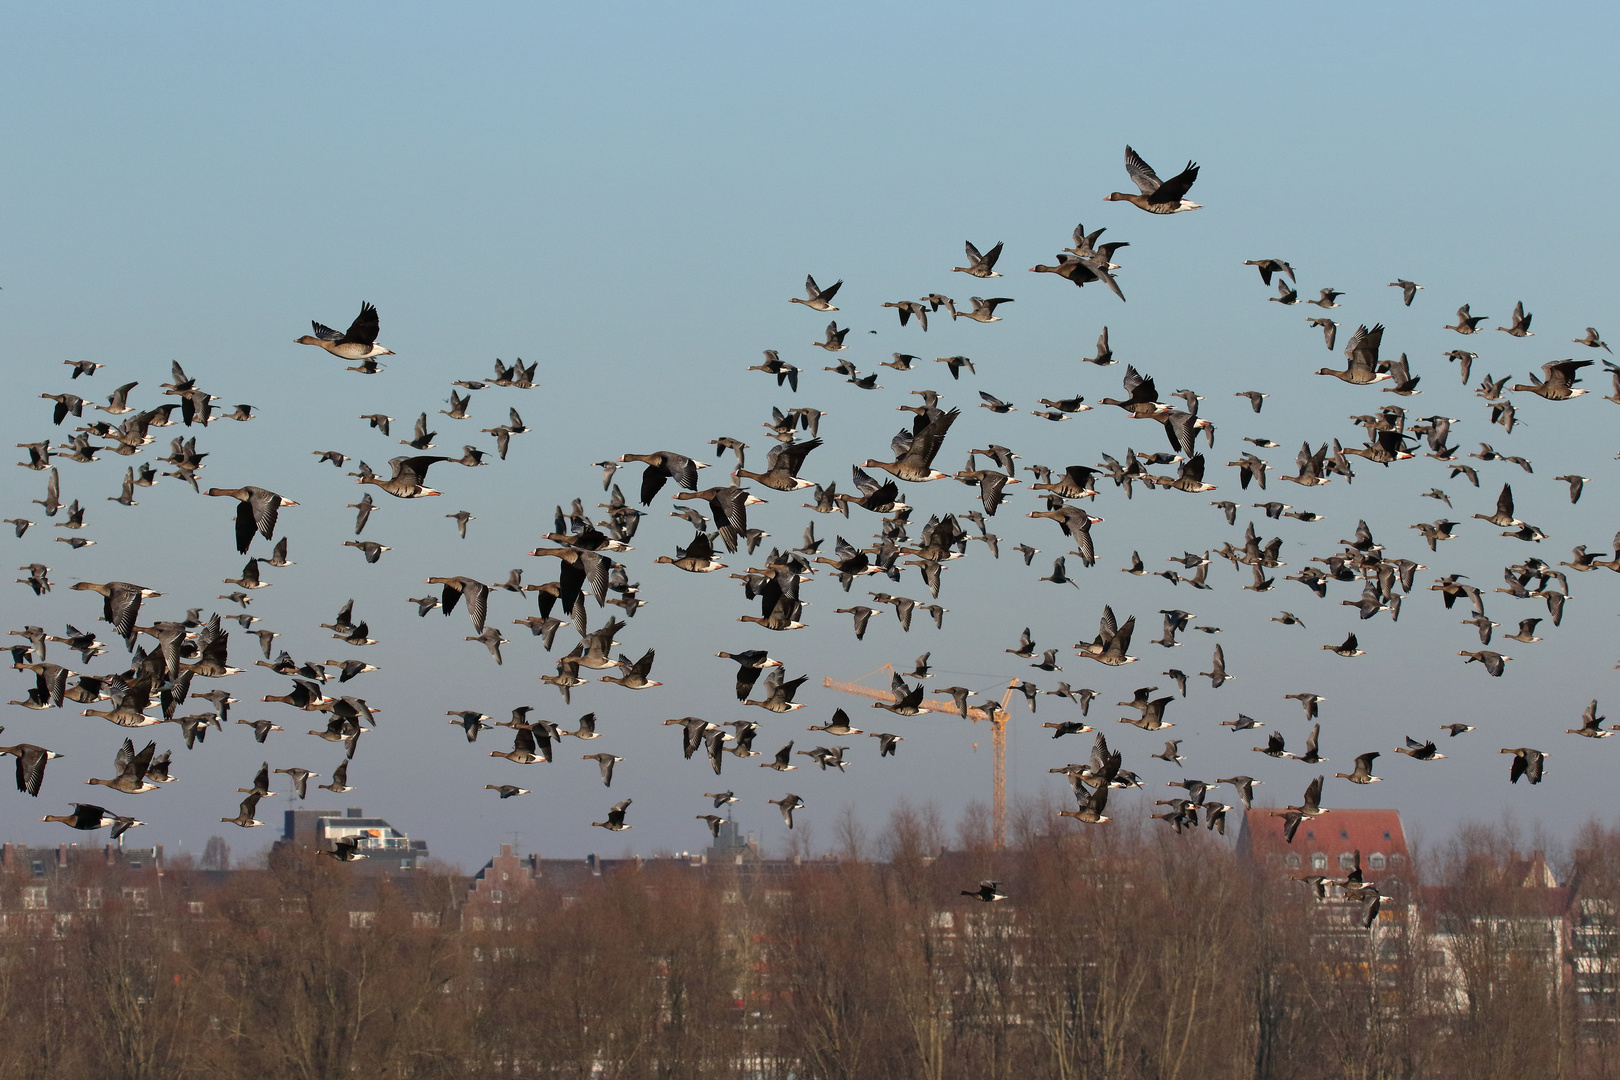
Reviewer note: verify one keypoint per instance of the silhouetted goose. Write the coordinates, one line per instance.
(839, 725)
(817, 298)
(358, 342)
(506, 791)
(988, 892)
(787, 804)
(1527, 763)
(1267, 267)
(1158, 196)
(1329, 299)
(1467, 323)
(615, 818)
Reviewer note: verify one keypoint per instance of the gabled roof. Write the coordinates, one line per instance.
(1260, 840)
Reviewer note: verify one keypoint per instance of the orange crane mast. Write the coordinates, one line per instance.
(996, 717)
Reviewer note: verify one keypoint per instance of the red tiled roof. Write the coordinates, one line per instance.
(1338, 832)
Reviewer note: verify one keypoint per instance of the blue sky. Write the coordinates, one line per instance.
(630, 195)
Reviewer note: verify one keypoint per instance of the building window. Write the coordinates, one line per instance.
(360, 920)
(1292, 860)
(1347, 861)
(195, 907)
(425, 919)
(1376, 860)
(35, 897)
(1344, 834)
(1319, 861)
(38, 868)
(92, 898)
(495, 896)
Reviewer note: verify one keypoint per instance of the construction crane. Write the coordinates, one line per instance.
(996, 717)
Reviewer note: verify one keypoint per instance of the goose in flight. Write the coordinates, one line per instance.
(816, 298)
(358, 342)
(980, 266)
(1527, 763)
(1408, 289)
(988, 892)
(615, 818)
(1158, 196)
(787, 804)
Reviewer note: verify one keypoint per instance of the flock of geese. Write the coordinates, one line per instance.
(167, 661)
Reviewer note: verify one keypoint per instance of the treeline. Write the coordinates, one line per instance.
(1122, 952)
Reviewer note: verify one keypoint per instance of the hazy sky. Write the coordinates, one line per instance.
(629, 195)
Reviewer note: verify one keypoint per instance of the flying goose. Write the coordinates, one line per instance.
(1466, 323)
(605, 763)
(1591, 724)
(615, 818)
(244, 816)
(31, 762)
(980, 266)
(1520, 324)
(787, 804)
(1158, 196)
(407, 482)
(131, 767)
(358, 342)
(817, 298)
(1527, 763)
(988, 892)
